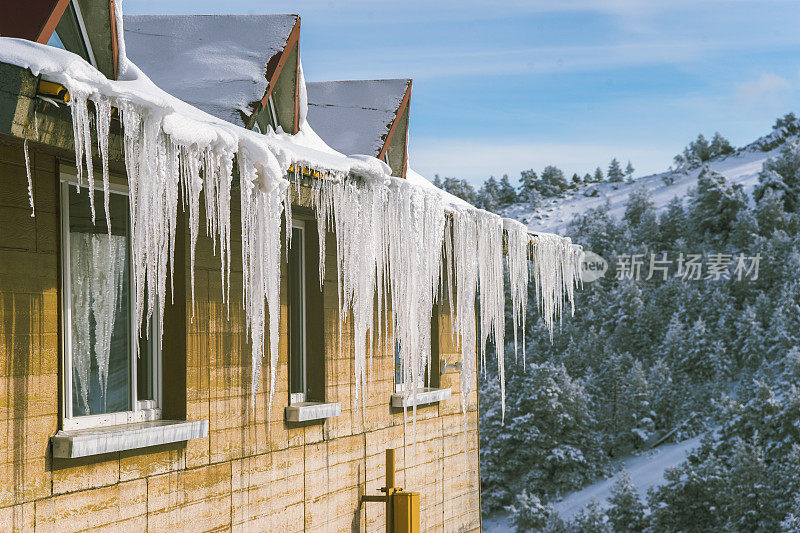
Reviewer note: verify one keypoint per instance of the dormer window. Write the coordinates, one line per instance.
(70, 34)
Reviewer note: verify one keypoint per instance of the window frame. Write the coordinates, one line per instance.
(143, 410)
(299, 397)
(432, 379)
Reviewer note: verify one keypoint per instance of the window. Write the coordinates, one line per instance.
(305, 318)
(431, 377)
(297, 315)
(267, 118)
(70, 34)
(110, 377)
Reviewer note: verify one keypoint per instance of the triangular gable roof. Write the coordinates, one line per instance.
(357, 116)
(221, 64)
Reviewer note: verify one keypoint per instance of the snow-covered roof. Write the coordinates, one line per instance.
(354, 116)
(214, 62)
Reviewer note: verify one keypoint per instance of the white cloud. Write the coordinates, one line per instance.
(769, 88)
(477, 159)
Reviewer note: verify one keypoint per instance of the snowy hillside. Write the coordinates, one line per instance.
(555, 213)
(658, 360)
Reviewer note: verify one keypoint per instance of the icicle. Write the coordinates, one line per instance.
(517, 239)
(108, 269)
(30, 178)
(261, 202)
(556, 271)
(82, 137)
(415, 222)
(80, 295)
(465, 263)
(102, 108)
(490, 274)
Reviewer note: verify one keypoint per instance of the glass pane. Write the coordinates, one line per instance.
(100, 305)
(297, 378)
(55, 41)
(398, 366)
(69, 33)
(144, 368)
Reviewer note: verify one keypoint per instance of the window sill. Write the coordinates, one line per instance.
(95, 441)
(307, 411)
(425, 396)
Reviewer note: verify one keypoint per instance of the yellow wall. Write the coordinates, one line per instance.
(252, 472)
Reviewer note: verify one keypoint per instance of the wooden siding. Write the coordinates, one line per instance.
(253, 472)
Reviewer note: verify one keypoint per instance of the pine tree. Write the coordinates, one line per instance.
(782, 175)
(506, 194)
(639, 202)
(629, 170)
(552, 181)
(784, 328)
(591, 519)
(437, 181)
(715, 205)
(791, 523)
(489, 195)
(587, 178)
(751, 503)
(529, 513)
(576, 180)
(598, 175)
(626, 513)
(528, 188)
(460, 188)
(751, 349)
(615, 173)
(673, 222)
(638, 412)
(700, 149)
(720, 145)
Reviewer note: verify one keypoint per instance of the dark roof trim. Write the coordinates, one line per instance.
(404, 103)
(51, 22)
(114, 43)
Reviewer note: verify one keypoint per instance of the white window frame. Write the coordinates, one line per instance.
(273, 118)
(142, 410)
(84, 33)
(300, 397)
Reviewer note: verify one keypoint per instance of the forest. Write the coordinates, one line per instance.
(646, 361)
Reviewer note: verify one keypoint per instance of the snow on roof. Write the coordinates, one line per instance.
(214, 62)
(355, 116)
(418, 179)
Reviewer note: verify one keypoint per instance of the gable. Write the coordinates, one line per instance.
(218, 63)
(368, 117)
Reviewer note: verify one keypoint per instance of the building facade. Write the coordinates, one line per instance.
(141, 437)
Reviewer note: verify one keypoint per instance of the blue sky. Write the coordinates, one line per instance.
(504, 86)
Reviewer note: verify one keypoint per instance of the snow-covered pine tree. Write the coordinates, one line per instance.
(720, 145)
(591, 519)
(598, 175)
(715, 205)
(638, 410)
(528, 188)
(506, 194)
(639, 201)
(615, 173)
(629, 170)
(750, 504)
(782, 175)
(489, 195)
(626, 512)
(552, 181)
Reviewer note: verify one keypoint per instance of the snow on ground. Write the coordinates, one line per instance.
(646, 471)
(556, 213)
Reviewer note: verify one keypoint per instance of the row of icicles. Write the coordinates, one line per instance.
(397, 245)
